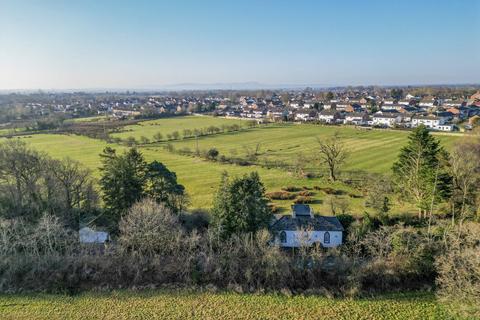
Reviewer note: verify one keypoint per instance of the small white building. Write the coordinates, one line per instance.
(303, 228)
(88, 235)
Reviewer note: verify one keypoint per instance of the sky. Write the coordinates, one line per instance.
(117, 44)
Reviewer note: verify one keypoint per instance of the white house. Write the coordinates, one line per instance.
(386, 120)
(88, 235)
(396, 107)
(427, 121)
(445, 127)
(356, 118)
(303, 116)
(433, 122)
(426, 102)
(303, 228)
(329, 116)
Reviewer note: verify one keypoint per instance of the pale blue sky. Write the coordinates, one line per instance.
(53, 44)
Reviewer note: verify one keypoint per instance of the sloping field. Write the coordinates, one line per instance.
(371, 151)
(169, 125)
(185, 305)
(200, 177)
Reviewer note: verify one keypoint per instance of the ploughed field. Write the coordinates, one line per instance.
(198, 305)
(371, 151)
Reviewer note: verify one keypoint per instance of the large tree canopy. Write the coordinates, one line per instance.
(128, 178)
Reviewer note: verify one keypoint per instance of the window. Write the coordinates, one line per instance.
(326, 237)
(283, 237)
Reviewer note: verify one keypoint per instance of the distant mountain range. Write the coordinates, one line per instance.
(251, 85)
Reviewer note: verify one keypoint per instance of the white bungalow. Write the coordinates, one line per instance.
(303, 228)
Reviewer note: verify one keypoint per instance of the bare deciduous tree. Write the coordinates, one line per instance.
(465, 170)
(333, 154)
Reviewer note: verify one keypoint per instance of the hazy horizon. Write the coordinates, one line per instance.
(156, 45)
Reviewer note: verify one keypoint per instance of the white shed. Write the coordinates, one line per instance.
(88, 235)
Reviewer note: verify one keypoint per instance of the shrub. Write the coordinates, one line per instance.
(332, 191)
(149, 228)
(130, 141)
(196, 220)
(280, 195)
(303, 199)
(291, 189)
(212, 154)
(305, 193)
(273, 208)
(459, 267)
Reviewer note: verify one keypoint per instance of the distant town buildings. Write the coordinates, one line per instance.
(359, 107)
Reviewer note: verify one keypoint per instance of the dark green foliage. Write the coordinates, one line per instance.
(127, 178)
(122, 181)
(161, 185)
(420, 173)
(212, 154)
(240, 205)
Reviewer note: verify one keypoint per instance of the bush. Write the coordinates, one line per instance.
(150, 228)
(332, 191)
(303, 200)
(196, 220)
(212, 154)
(305, 193)
(273, 208)
(280, 195)
(459, 267)
(291, 189)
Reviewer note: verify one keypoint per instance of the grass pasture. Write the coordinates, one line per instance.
(370, 151)
(202, 305)
(168, 125)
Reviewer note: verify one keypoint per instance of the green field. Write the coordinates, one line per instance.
(169, 125)
(370, 151)
(191, 305)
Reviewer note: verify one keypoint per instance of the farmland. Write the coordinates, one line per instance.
(165, 126)
(203, 305)
(370, 151)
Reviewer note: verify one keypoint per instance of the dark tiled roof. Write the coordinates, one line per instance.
(318, 223)
(301, 209)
